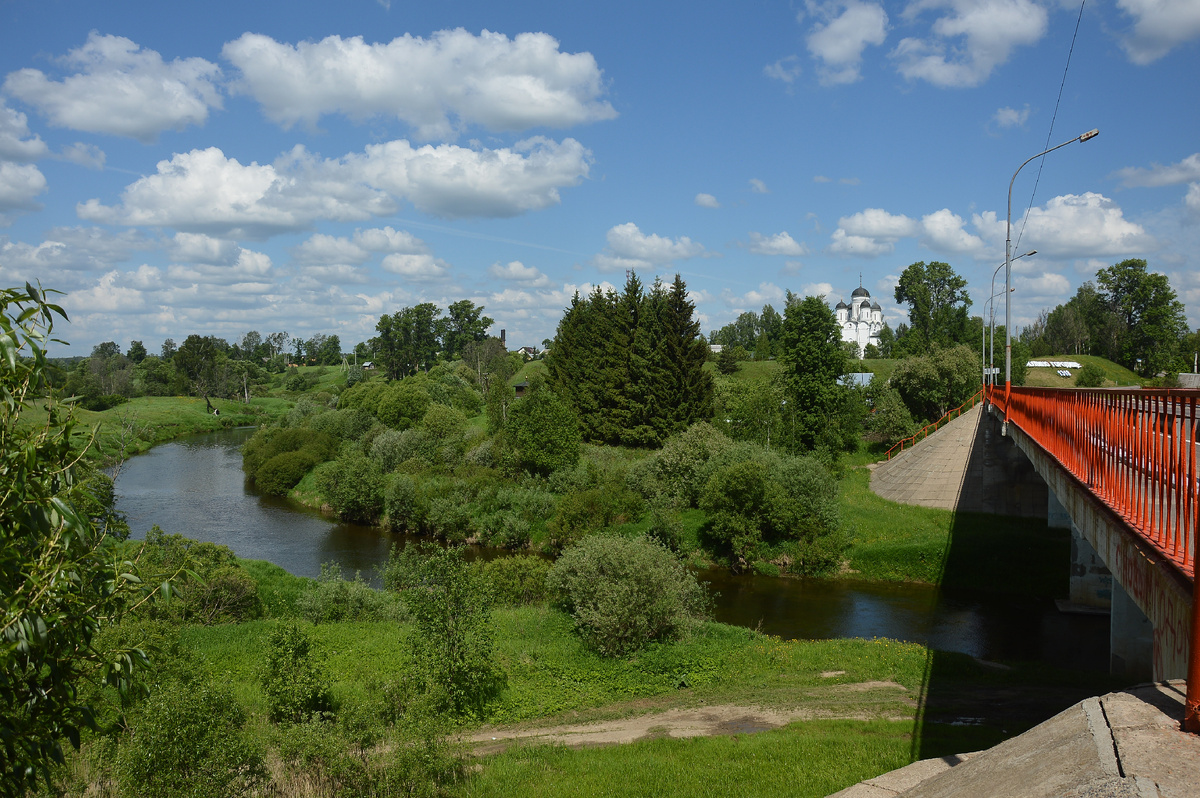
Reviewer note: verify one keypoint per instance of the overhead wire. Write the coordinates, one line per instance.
(1053, 118)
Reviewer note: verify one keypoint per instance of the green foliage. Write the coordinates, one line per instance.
(61, 580)
(354, 486)
(890, 420)
(403, 404)
(624, 593)
(270, 442)
(333, 598)
(210, 585)
(283, 471)
(727, 362)
(632, 365)
(680, 466)
(452, 637)
(188, 740)
(755, 503)
(583, 512)
(542, 433)
(1152, 322)
(937, 300)
(1090, 376)
(293, 675)
(813, 361)
(515, 580)
(941, 381)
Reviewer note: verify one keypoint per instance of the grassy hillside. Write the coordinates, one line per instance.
(1048, 377)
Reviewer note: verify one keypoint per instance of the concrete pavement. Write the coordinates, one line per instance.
(1124, 744)
(965, 466)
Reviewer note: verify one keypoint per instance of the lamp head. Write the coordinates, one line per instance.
(1091, 134)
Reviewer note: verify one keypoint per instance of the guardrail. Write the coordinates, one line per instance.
(935, 426)
(1138, 452)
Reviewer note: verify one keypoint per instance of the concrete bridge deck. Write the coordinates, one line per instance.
(1121, 745)
(966, 467)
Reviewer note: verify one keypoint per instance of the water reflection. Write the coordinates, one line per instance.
(195, 487)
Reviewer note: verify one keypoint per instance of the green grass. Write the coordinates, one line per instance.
(529, 369)
(906, 543)
(813, 758)
(1048, 377)
(150, 420)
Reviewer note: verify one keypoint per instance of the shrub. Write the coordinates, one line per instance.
(293, 675)
(543, 433)
(626, 592)
(681, 464)
(354, 486)
(1090, 376)
(452, 635)
(283, 471)
(581, 513)
(210, 585)
(403, 405)
(332, 598)
(516, 580)
(188, 741)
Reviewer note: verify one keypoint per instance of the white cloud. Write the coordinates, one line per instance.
(1045, 284)
(817, 289)
(200, 248)
(707, 201)
(1186, 171)
(203, 191)
(15, 141)
(88, 155)
(326, 250)
(1192, 200)
(838, 42)
(1074, 226)
(107, 296)
(753, 299)
(878, 223)
(19, 184)
(515, 271)
(778, 244)
(968, 40)
(455, 182)
(821, 179)
(758, 186)
(630, 248)
(785, 69)
(385, 239)
(1011, 117)
(416, 266)
(489, 80)
(122, 89)
(942, 231)
(843, 243)
(1159, 26)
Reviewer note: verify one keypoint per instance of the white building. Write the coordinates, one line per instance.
(861, 320)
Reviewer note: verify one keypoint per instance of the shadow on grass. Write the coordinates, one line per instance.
(968, 703)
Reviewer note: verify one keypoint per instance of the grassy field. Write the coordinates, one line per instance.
(1114, 375)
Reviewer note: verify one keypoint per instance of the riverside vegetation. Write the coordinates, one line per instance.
(232, 677)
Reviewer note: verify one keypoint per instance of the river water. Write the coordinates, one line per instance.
(195, 487)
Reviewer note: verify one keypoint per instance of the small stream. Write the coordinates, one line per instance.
(195, 487)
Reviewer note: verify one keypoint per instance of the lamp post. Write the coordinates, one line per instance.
(991, 358)
(1091, 134)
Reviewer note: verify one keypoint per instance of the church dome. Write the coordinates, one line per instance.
(860, 291)
(840, 305)
(875, 306)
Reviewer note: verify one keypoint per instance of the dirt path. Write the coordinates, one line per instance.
(703, 721)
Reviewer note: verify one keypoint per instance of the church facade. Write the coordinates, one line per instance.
(861, 320)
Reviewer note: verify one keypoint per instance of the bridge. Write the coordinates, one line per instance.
(1121, 468)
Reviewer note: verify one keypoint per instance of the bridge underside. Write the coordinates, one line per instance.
(1151, 600)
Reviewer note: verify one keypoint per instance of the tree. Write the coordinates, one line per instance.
(60, 579)
(465, 323)
(329, 353)
(813, 361)
(197, 361)
(938, 303)
(940, 381)
(137, 351)
(1152, 320)
(542, 433)
(168, 349)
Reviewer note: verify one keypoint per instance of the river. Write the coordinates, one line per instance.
(195, 487)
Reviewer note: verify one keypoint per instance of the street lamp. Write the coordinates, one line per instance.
(991, 358)
(1091, 134)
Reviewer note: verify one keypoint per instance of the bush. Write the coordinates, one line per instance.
(210, 585)
(452, 635)
(332, 598)
(543, 434)
(681, 463)
(282, 472)
(1090, 376)
(293, 675)
(354, 487)
(404, 503)
(626, 592)
(517, 580)
(187, 741)
(581, 513)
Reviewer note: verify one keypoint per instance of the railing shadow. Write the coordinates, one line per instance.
(968, 702)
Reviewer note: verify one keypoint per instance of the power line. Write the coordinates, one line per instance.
(1050, 133)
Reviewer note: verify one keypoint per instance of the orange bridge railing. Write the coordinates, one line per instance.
(1136, 451)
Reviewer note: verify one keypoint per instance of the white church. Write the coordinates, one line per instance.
(861, 320)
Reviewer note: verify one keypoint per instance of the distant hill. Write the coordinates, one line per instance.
(1049, 377)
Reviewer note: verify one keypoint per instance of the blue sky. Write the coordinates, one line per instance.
(223, 167)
